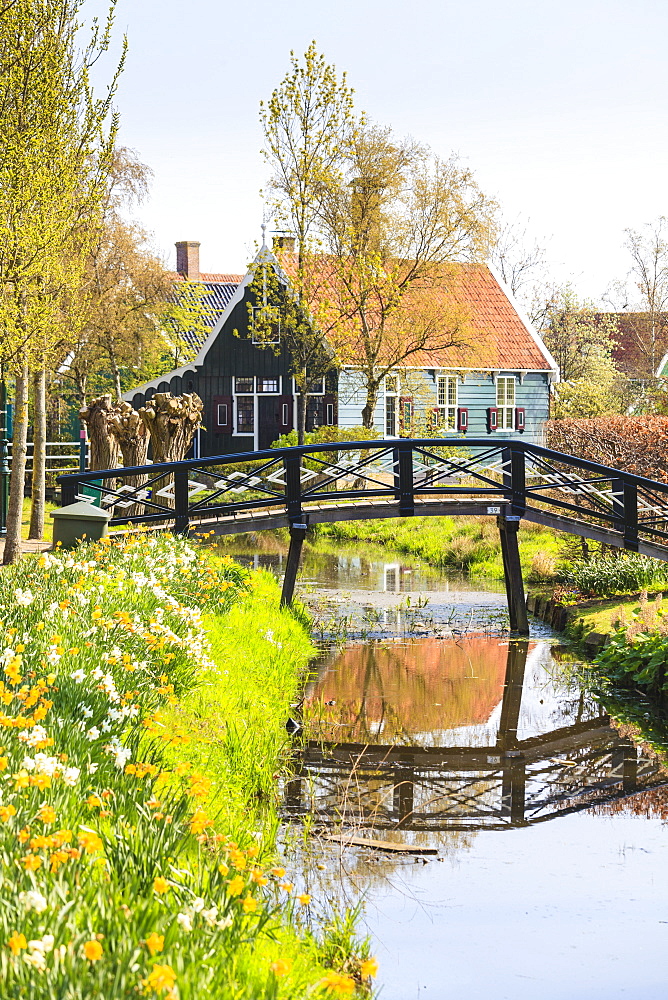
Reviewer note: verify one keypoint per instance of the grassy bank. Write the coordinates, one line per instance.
(464, 543)
(136, 782)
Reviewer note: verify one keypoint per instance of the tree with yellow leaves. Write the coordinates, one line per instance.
(57, 141)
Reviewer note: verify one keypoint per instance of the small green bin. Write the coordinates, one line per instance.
(77, 521)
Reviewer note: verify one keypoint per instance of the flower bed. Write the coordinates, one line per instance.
(127, 810)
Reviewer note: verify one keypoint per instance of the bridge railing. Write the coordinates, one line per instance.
(398, 477)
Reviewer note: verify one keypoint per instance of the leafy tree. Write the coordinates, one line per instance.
(114, 335)
(576, 334)
(57, 140)
(308, 126)
(395, 225)
(645, 293)
(597, 392)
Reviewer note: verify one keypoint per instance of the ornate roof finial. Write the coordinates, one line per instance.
(263, 227)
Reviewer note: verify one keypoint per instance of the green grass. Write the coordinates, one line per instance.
(464, 543)
(48, 521)
(236, 714)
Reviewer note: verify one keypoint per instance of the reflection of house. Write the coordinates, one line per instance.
(498, 383)
(425, 687)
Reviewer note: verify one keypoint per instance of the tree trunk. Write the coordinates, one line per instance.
(17, 481)
(302, 401)
(132, 436)
(38, 457)
(104, 450)
(171, 422)
(370, 407)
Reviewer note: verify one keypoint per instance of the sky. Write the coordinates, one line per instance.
(559, 108)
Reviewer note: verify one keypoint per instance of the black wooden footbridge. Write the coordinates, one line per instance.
(296, 487)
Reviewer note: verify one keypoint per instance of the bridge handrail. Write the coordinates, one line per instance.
(276, 453)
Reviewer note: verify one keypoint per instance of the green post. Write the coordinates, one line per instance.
(4, 463)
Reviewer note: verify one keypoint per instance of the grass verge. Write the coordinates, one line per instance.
(136, 794)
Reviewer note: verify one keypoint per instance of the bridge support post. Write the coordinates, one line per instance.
(297, 536)
(512, 572)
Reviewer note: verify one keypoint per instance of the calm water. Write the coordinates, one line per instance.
(551, 873)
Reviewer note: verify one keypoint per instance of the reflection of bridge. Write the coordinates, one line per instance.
(511, 783)
(295, 487)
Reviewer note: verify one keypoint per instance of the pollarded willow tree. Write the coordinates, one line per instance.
(57, 138)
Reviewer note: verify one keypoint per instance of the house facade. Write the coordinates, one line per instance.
(499, 385)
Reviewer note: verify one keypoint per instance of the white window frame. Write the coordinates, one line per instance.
(447, 397)
(391, 393)
(243, 392)
(314, 392)
(268, 392)
(506, 401)
(236, 432)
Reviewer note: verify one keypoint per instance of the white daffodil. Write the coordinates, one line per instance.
(71, 776)
(33, 899)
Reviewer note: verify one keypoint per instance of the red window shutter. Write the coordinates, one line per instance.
(285, 413)
(520, 418)
(462, 418)
(222, 415)
(405, 413)
(492, 418)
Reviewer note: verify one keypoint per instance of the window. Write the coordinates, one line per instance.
(267, 385)
(390, 416)
(447, 402)
(245, 414)
(317, 387)
(266, 328)
(244, 384)
(391, 383)
(222, 414)
(505, 401)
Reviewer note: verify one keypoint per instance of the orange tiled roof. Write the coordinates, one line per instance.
(495, 337)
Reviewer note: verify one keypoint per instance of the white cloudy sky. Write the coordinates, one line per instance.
(559, 106)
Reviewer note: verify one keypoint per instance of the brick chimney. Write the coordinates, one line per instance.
(284, 243)
(187, 259)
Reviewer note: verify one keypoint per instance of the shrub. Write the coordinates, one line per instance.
(604, 577)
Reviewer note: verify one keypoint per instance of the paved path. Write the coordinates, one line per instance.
(27, 546)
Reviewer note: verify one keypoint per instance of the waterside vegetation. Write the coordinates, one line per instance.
(463, 543)
(137, 810)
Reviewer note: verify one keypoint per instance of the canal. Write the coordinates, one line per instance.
(535, 850)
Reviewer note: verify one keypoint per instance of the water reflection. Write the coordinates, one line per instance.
(364, 568)
(433, 736)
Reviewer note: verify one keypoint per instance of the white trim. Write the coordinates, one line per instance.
(526, 322)
(154, 383)
(463, 371)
